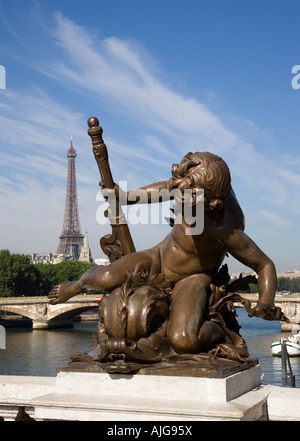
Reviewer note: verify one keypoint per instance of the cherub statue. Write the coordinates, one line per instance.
(190, 263)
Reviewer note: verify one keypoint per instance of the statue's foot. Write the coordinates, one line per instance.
(63, 292)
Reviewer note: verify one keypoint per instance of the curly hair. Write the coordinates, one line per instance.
(205, 171)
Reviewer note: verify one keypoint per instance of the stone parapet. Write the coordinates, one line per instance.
(113, 397)
(18, 391)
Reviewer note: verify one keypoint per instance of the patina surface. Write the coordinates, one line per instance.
(170, 308)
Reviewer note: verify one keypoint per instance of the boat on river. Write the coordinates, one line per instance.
(292, 346)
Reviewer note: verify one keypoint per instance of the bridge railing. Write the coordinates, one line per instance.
(45, 299)
(90, 297)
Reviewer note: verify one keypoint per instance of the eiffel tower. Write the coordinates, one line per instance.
(71, 238)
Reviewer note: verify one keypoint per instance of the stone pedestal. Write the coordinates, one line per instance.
(88, 396)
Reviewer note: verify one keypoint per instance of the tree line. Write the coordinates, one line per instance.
(283, 284)
(19, 277)
(286, 284)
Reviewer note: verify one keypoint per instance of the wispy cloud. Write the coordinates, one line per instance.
(159, 124)
(119, 75)
(290, 176)
(35, 133)
(276, 219)
(122, 76)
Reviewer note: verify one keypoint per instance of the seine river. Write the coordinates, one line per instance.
(41, 352)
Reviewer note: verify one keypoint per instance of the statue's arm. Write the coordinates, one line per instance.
(157, 192)
(152, 193)
(244, 249)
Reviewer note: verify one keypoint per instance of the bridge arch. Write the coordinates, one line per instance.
(41, 311)
(31, 314)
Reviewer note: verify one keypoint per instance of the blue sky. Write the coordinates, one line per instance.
(164, 78)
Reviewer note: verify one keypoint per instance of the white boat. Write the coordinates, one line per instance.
(292, 346)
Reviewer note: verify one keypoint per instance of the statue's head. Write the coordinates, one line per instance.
(202, 170)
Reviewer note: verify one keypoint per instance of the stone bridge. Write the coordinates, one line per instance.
(289, 304)
(45, 315)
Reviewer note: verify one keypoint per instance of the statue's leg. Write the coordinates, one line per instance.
(187, 333)
(109, 277)
(114, 275)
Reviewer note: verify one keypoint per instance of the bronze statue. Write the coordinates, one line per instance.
(174, 301)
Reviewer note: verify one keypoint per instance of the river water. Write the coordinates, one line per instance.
(41, 352)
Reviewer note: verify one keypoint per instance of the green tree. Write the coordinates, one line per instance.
(283, 284)
(6, 282)
(253, 288)
(25, 276)
(295, 285)
(69, 270)
(17, 275)
(48, 277)
(20, 277)
(286, 284)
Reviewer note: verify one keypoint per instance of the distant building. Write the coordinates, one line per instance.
(235, 276)
(49, 258)
(71, 238)
(85, 253)
(102, 261)
(290, 274)
(41, 258)
(61, 257)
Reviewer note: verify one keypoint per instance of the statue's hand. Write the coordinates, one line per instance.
(267, 311)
